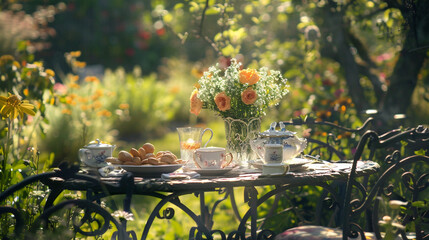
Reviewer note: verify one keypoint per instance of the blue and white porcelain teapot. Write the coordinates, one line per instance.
(292, 144)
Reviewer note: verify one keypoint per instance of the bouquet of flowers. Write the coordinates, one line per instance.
(241, 97)
(238, 93)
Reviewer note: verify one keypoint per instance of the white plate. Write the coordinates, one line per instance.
(150, 170)
(211, 172)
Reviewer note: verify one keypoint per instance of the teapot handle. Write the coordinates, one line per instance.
(85, 154)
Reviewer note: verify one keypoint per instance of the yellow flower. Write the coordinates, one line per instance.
(223, 102)
(196, 103)
(12, 106)
(75, 54)
(249, 96)
(249, 76)
(50, 72)
(5, 59)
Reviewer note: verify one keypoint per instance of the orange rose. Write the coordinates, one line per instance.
(249, 96)
(249, 76)
(223, 102)
(196, 103)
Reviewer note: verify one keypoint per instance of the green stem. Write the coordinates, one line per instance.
(6, 148)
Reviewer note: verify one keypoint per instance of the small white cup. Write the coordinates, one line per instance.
(275, 169)
(212, 158)
(273, 153)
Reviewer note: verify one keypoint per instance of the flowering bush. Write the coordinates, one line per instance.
(238, 93)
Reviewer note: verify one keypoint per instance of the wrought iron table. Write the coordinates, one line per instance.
(170, 191)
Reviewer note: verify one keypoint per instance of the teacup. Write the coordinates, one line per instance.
(212, 158)
(275, 169)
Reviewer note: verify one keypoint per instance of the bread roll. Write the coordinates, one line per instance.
(149, 148)
(125, 156)
(142, 152)
(135, 152)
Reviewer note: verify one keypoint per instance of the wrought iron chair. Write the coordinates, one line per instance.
(403, 184)
(328, 140)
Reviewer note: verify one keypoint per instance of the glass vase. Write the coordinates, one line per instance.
(238, 134)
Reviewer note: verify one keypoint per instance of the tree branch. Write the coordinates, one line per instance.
(203, 16)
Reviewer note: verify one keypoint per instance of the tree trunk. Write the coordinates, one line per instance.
(405, 74)
(339, 48)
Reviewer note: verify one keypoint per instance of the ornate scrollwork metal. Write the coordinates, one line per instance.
(89, 208)
(266, 234)
(331, 145)
(87, 213)
(167, 213)
(387, 185)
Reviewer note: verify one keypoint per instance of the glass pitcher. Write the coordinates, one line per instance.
(190, 138)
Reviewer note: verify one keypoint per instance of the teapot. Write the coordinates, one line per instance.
(292, 145)
(95, 153)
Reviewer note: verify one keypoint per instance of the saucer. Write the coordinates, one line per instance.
(211, 172)
(275, 169)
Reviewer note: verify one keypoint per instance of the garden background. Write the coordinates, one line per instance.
(123, 71)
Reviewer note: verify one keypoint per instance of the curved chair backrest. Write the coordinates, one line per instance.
(404, 178)
(328, 140)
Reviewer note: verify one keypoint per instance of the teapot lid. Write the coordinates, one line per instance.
(98, 144)
(272, 132)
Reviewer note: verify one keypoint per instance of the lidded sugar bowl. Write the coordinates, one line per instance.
(95, 153)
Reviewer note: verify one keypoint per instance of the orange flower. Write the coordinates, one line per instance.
(124, 106)
(66, 111)
(223, 102)
(249, 96)
(249, 76)
(104, 113)
(79, 64)
(92, 79)
(196, 103)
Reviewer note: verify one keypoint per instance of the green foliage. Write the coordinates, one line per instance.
(122, 108)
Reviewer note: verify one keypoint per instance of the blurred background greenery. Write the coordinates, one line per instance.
(124, 70)
(341, 58)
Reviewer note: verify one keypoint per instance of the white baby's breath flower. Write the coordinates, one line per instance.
(396, 204)
(387, 219)
(123, 215)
